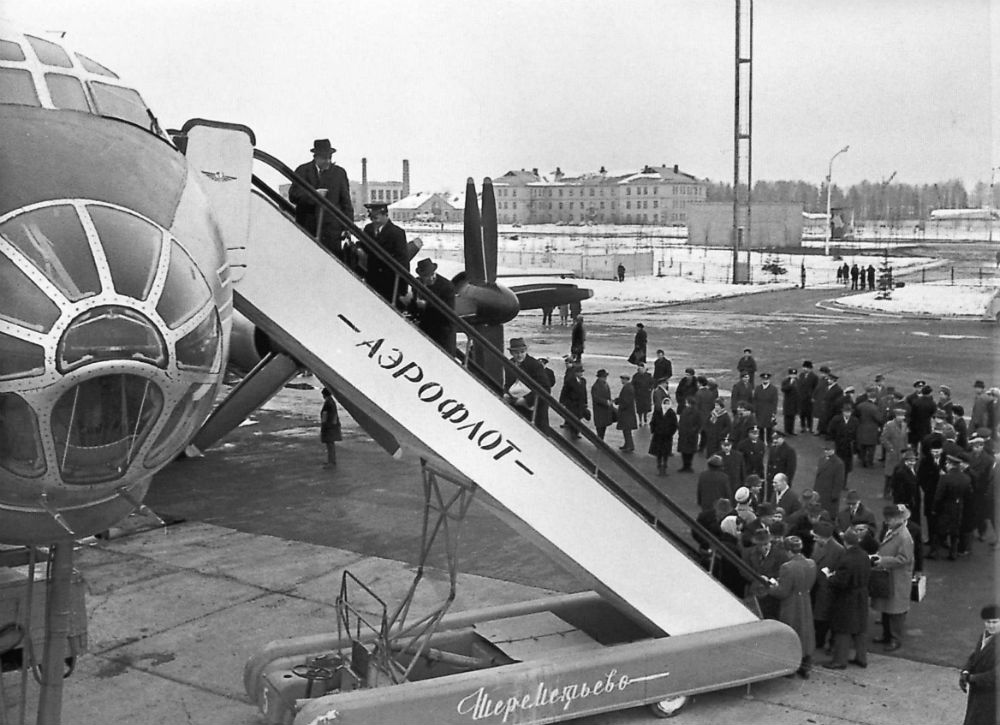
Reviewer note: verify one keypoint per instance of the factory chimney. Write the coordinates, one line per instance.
(364, 181)
(406, 178)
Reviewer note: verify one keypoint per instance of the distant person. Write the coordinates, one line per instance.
(392, 240)
(621, 272)
(578, 339)
(803, 274)
(563, 315)
(871, 277)
(979, 675)
(840, 274)
(855, 272)
(807, 382)
(639, 346)
(575, 308)
(331, 182)
(846, 271)
(435, 324)
(547, 315)
(329, 428)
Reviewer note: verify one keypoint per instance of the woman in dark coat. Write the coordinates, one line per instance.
(639, 348)
(718, 426)
(600, 401)
(688, 428)
(626, 413)
(662, 426)
(329, 427)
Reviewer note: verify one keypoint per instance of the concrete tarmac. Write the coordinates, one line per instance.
(267, 533)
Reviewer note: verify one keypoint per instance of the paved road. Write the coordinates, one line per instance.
(266, 477)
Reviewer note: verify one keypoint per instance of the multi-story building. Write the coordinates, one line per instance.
(425, 206)
(654, 195)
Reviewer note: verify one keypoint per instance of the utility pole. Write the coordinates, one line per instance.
(829, 188)
(742, 129)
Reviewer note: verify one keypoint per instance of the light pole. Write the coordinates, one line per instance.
(989, 206)
(829, 186)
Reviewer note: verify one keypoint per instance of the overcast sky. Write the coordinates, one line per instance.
(467, 88)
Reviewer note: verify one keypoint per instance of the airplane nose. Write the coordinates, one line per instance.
(110, 356)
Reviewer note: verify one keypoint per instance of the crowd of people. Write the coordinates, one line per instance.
(820, 559)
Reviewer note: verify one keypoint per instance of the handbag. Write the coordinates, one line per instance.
(880, 584)
(918, 588)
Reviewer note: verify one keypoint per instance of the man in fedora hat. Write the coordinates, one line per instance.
(435, 324)
(519, 394)
(329, 181)
(392, 240)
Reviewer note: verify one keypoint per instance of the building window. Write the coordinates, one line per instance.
(656, 203)
(628, 205)
(628, 191)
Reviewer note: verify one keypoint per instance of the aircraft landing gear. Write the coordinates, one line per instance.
(668, 708)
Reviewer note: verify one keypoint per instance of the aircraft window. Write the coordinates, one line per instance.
(189, 414)
(118, 102)
(22, 302)
(99, 425)
(132, 248)
(66, 92)
(17, 88)
(9, 50)
(54, 240)
(110, 333)
(93, 66)
(185, 290)
(20, 358)
(20, 444)
(199, 348)
(50, 53)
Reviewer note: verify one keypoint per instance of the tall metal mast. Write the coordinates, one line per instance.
(742, 142)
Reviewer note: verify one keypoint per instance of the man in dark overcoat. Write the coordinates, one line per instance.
(830, 479)
(642, 381)
(574, 396)
(663, 369)
(765, 558)
(626, 413)
(686, 388)
(578, 339)
(513, 393)
(849, 608)
(713, 484)
(746, 364)
(790, 399)
(600, 401)
(781, 458)
(331, 182)
(807, 381)
(742, 392)
(979, 675)
(765, 406)
(826, 552)
(922, 410)
(434, 323)
(953, 494)
(819, 399)
(843, 429)
(379, 276)
(903, 484)
(869, 427)
(834, 400)
(752, 449)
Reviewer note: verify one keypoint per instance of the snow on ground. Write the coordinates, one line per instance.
(934, 298)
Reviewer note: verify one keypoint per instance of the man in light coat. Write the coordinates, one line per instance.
(895, 553)
(894, 442)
